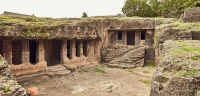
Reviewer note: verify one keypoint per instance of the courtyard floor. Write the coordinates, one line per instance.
(97, 80)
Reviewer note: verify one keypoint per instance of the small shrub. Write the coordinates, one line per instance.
(6, 89)
(110, 87)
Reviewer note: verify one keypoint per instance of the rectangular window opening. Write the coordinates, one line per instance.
(68, 48)
(143, 35)
(119, 35)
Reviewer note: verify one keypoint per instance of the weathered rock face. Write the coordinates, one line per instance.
(191, 15)
(8, 86)
(175, 31)
(89, 28)
(178, 71)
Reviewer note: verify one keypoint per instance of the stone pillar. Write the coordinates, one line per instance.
(124, 37)
(63, 51)
(7, 51)
(81, 48)
(137, 37)
(91, 48)
(97, 47)
(25, 51)
(40, 51)
(73, 49)
(149, 38)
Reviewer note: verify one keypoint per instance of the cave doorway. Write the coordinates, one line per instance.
(1, 48)
(33, 51)
(52, 52)
(119, 35)
(143, 35)
(130, 38)
(68, 48)
(16, 52)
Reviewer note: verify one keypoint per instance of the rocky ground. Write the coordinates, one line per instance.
(98, 80)
(8, 86)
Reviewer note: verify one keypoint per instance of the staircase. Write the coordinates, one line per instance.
(126, 58)
(111, 54)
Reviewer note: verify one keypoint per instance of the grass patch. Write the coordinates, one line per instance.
(145, 72)
(145, 82)
(184, 64)
(110, 87)
(133, 72)
(100, 70)
(188, 72)
(150, 64)
(82, 71)
(6, 89)
(195, 58)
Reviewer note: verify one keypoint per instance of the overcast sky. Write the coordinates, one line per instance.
(62, 8)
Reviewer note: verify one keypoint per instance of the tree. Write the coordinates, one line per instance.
(137, 8)
(84, 15)
(153, 8)
(174, 8)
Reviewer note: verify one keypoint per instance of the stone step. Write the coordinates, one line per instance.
(59, 73)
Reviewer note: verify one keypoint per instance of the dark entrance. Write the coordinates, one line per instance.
(131, 38)
(33, 51)
(17, 52)
(68, 49)
(85, 44)
(77, 48)
(1, 48)
(52, 52)
(120, 35)
(143, 35)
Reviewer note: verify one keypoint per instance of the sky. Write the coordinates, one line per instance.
(62, 8)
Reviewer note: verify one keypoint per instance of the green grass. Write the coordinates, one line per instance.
(184, 64)
(6, 89)
(187, 72)
(195, 58)
(150, 64)
(145, 82)
(145, 72)
(110, 87)
(133, 72)
(100, 70)
(82, 71)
